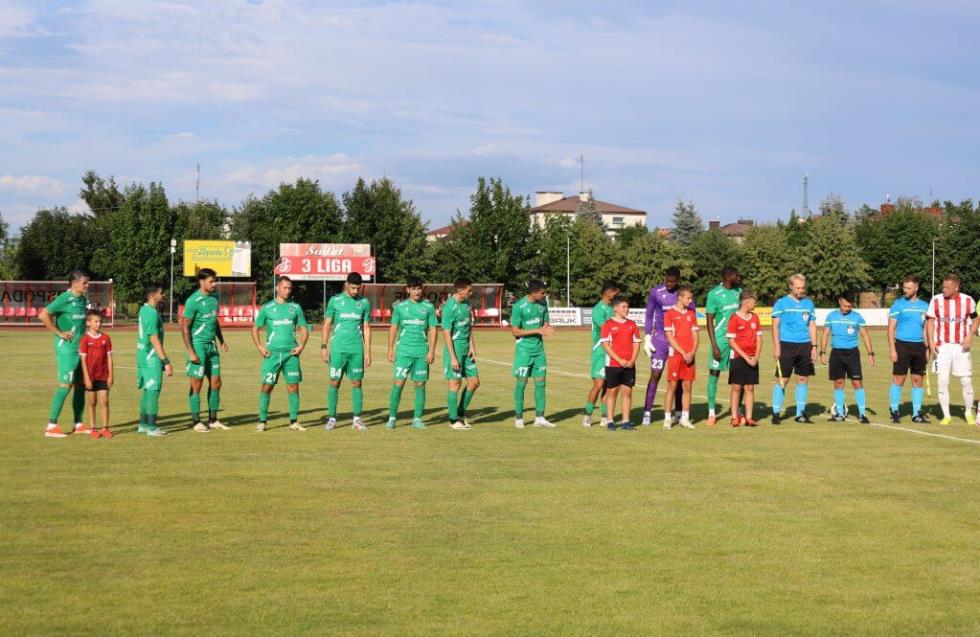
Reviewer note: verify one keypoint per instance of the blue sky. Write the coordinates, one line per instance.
(727, 104)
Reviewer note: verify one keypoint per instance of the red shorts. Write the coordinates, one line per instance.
(678, 369)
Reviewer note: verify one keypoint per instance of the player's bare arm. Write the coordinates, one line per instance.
(392, 333)
(431, 356)
(813, 339)
(892, 352)
(161, 354)
(221, 337)
(710, 326)
(366, 335)
(824, 341)
(257, 340)
(689, 356)
(636, 354)
(325, 340)
(109, 381)
(86, 378)
(930, 328)
(754, 360)
(303, 337)
(45, 317)
(775, 337)
(185, 331)
(448, 337)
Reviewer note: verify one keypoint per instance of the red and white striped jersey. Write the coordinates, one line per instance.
(953, 317)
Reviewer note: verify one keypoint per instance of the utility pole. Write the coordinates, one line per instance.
(197, 185)
(806, 194)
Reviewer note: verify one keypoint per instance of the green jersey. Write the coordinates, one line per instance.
(280, 321)
(413, 320)
(601, 313)
(150, 324)
(722, 302)
(202, 311)
(529, 315)
(68, 314)
(456, 321)
(350, 316)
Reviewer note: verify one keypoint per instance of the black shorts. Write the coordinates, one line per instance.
(99, 385)
(616, 376)
(741, 373)
(912, 357)
(845, 363)
(794, 358)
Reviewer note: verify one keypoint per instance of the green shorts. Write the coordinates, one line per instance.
(598, 363)
(69, 365)
(149, 377)
(411, 368)
(467, 368)
(726, 357)
(350, 364)
(527, 365)
(210, 361)
(281, 362)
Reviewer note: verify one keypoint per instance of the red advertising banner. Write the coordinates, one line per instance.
(324, 261)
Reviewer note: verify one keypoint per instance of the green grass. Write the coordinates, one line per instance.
(821, 530)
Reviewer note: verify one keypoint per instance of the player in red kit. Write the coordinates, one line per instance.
(95, 350)
(681, 328)
(620, 338)
(744, 337)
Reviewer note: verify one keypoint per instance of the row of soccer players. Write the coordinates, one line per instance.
(670, 341)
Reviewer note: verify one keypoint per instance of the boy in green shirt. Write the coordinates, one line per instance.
(602, 312)
(151, 361)
(529, 325)
(459, 353)
(65, 318)
(282, 319)
(723, 301)
(412, 348)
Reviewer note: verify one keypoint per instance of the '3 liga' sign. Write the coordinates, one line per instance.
(324, 261)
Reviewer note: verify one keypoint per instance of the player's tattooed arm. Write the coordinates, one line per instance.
(220, 337)
(185, 331)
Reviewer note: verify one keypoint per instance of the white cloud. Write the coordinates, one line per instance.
(183, 135)
(328, 170)
(31, 183)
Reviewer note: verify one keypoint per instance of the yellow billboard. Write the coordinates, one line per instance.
(227, 258)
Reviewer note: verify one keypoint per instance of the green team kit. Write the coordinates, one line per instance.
(456, 320)
(149, 367)
(529, 358)
(601, 313)
(414, 319)
(350, 316)
(68, 313)
(281, 320)
(202, 311)
(722, 303)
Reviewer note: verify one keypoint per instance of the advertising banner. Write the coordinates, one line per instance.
(324, 261)
(565, 316)
(227, 258)
(20, 301)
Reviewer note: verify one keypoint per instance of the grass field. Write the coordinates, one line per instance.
(827, 529)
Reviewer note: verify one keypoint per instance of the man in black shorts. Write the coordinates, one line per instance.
(842, 328)
(908, 352)
(794, 338)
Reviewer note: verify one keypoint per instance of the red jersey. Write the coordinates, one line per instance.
(621, 336)
(745, 332)
(95, 352)
(953, 317)
(683, 325)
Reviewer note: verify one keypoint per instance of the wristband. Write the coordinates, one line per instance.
(323, 346)
(871, 353)
(165, 362)
(822, 352)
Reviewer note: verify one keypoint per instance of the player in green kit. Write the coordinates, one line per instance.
(601, 312)
(348, 349)
(151, 361)
(722, 303)
(282, 319)
(529, 325)
(200, 328)
(65, 318)
(413, 324)
(459, 353)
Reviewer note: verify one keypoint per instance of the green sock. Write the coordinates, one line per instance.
(143, 419)
(194, 400)
(333, 395)
(712, 391)
(519, 387)
(419, 401)
(394, 399)
(214, 400)
(452, 402)
(264, 406)
(58, 402)
(152, 408)
(464, 402)
(293, 405)
(590, 407)
(78, 403)
(602, 407)
(357, 400)
(539, 398)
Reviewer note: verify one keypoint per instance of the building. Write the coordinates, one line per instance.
(443, 232)
(734, 231)
(614, 218)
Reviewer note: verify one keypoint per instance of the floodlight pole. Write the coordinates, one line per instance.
(173, 250)
(568, 270)
(934, 266)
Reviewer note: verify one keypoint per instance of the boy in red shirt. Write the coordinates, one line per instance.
(95, 350)
(745, 340)
(620, 338)
(681, 329)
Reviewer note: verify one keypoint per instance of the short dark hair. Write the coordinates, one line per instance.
(684, 288)
(283, 278)
(89, 313)
(461, 283)
(673, 271)
(77, 274)
(535, 285)
(610, 285)
(847, 296)
(206, 273)
(746, 295)
(152, 287)
(619, 298)
(911, 278)
(728, 271)
(413, 282)
(354, 278)
(952, 277)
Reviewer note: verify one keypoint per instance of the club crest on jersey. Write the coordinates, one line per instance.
(806, 316)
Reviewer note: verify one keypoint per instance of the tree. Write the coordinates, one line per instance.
(644, 263)
(626, 236)
(378, 215)
(198, 220)
(687, 223)
(832, 260)
(708, 254)
(796, 229)
(833, 206)
(897, 245)
(768, 262)
(958, 248)
(102, 197)
(588, 211)
(548, 260)
(53, 244)
(8, 253)
(4, 227)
